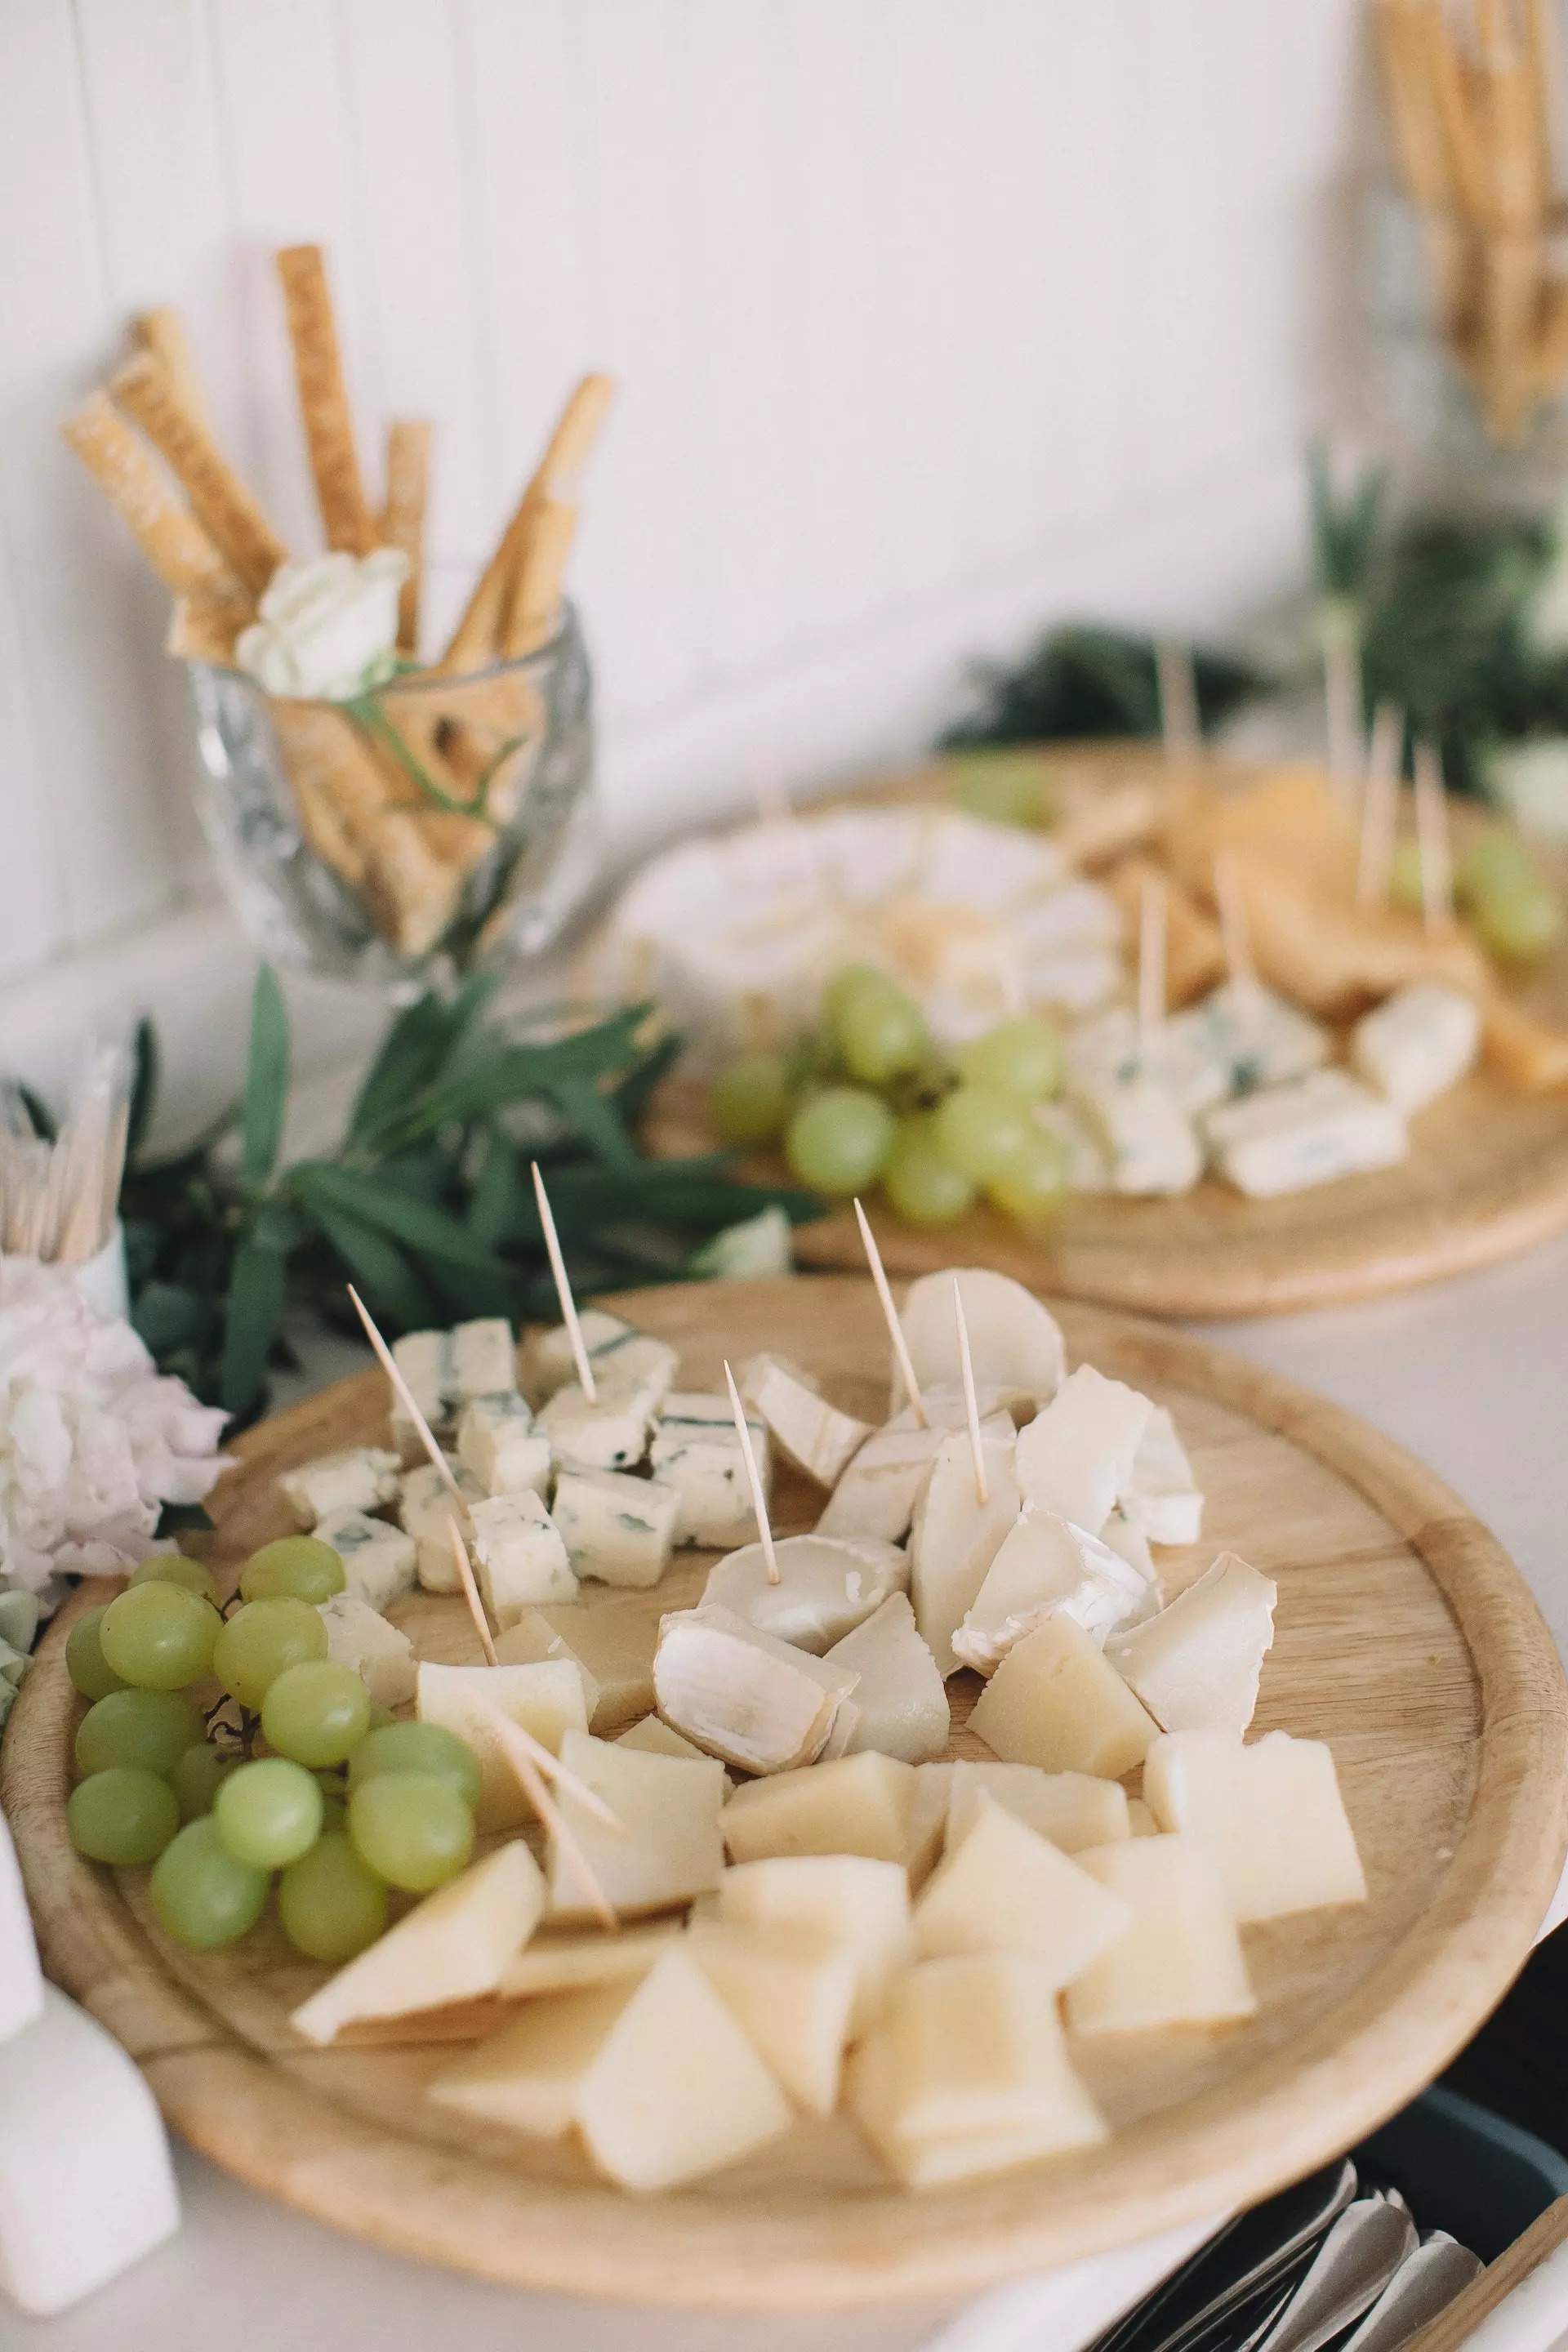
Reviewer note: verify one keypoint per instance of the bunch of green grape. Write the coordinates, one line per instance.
(1510, 905)
(866, 1100)
(340, 1804)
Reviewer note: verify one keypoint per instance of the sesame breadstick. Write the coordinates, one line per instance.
(403, 517)
(323, 403)
(221, 502)
(536, 593)
(170, 537)
(162, 333)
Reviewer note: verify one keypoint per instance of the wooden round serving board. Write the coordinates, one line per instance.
(1404, 1638)
(1487, 1176)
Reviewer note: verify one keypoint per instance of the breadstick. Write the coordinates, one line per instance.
(536, 593)
(162, 333)
(222, 504)
(170, 537)
(403, 517)
(323, 403)
(203, 628)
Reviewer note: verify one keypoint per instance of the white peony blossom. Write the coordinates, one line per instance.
(92, 1440)
(328, 627)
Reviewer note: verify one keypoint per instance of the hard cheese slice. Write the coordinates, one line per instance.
(1055, 1702)
(1272, 1816)
(546, 1700)
(1180, 1962)
(452, 1947)
(845, 1899)
(858, 1805)
(792, 1991)
(1006, 1889)
(669, 1847)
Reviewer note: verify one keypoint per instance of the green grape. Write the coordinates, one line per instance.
(1495, 866)
(1021, 1057)
(844, 983)
(1518, 925)
(1008, 787)
(202, 1895)
(750, 1101)
(922, 1187)
(159, 1636)
(149, 1729)
(414, 1831)
(881, 1035)
(87, 1668)
(1032, 1187)
(302, 1568)
(269, 1813)
(334, 1813)
(839, 1141)
(331, 1904)
(124, 1815)
(1404, 876)
(980, 1131)
(173, 1567)
(427, 1747)
(197, 1778)
(317, 1713)
(263, 1638)
(380, 1715)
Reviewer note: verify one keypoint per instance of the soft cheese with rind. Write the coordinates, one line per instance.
(956, 1536)
(1197, 1664)
(880, 1493)
(744, 1696)
(826, 1586)
(1045, 1567)
(900, 1700)
(811, 1432)
(1015, 1342)
(1163, 1498)
(1076, 1457)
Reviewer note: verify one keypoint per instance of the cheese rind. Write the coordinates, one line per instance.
(812, 1434)
(454, 1946)
(1163, 1498)
(1196, 1666)
(1004, 1888)
(1272, 1816)
(498, 1442)
(900, 1700)
(826, 1586)
(744, 1696)
(380, 1562)
(519, 1557)
(1418, 1043)
(1054, 1701)
(956, 1537)
(1180, 1962)
(1287, 1138)
(669, 1847)
(362, 1640)
(361, 1478)
(1045, 1568)
(546, 1700)
(1014, 1341)
(617, 1529)
(695, 1450)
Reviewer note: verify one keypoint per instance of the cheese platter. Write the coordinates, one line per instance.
(1410, 1724)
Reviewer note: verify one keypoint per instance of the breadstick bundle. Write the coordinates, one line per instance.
(404, 777)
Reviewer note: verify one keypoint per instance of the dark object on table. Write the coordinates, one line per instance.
(1091, 681)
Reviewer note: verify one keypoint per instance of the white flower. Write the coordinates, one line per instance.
(329, 627)
(92, 1440)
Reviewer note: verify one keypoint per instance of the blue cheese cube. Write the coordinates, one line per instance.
(519, 1557)
(1417, 1044)
(359, 1480)
(498, 1442)
(1148, 1140)
(1109, 1050)
(610, 1432)
(379, 1561)
(617, 1529)
(379, 1654)
(1254, 1037)
(1287, 1138)
(426, 1510)
(445, 1369)
(695, 1451)
(621, 1356)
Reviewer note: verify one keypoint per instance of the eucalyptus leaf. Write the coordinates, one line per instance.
(250, 1324)
(395, 1291)
(596, 1120)
(266, 1095)
(411, 1052)
(428, 1231)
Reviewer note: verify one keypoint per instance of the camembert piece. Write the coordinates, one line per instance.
(1076, 1457)
(1013, 1343)
(742, 1695)
(1180, 1962)
(697, 1451)
(668, 1848)
(1047, 1567)
(901, 1699)
(1149, 1145)
(1072, 1808)
(1004, 1888)
(811, 1432)
(790, 1992)
(1196, 1666)
(841, 1898)
(361, 1639)
(1164, 1500)
(455, 1945)
(1287, 1138)
(956, 1537)
(1418, 1043)
(880, 1491)
(1270, 1816)
(379, 1561)
(617, 1529)
(1055, 1702)
(860, 1804)
(828, 1585)
(498, 1442)
(359, 1480)
(546, 1700)
(520, 1556)
(427, 1510)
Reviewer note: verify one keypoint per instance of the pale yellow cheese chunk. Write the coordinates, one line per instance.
(668, 1848)
(657, 1738)
(565, 1961)
(533, 1641)
(860, 1804)
(1271, 1815)
(1140, 1821)
(1072, 1808)
(842, 1897)
(792, 1991)
(455, 1945)
(1180, 1963)
(928, 1820)
(900, 1700)
(1006, 1889)
(546, 1700)
(1054, 1701)
(531, 2075)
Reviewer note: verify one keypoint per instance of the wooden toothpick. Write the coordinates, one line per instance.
(1432, 832)
(405, 1396)
(563, 1289)
(970, 1401)
(472, 1593)
(1240, 970)
(1151, 912)
(755, 1477)
(517, 1747)
(1178, 700)
(891, 1317)
(1380, 806)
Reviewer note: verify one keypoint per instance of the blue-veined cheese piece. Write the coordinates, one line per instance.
(1321, 1126)
(617, 1529)
(427, 1510)
(1252, 1036)
(695, 1450)
(379, 1654)
(622, 1357)
(1111, 1050)
(828, 1585)
(361, 1479)
(1085, 1164)
(1418, 1043)
(1163, 1498)
(1148, 1140)
(609, 1431)
(445, 1369)
(380, 1562)
(498, 1442)
(519, 1555)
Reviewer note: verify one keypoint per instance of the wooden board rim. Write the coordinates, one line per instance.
(1396, 2029)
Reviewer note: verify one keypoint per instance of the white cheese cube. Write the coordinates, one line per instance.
(1180, 1963)
(1150, 1144)
(826, 1586)
(427, 1510)
(1006, 1889)
(812, 1434)
(1045, 1568)
(757, 1703)
(382, 1656)
(956, 1537)
(1254, 1037)
(21, 1978)
(519, 1555)
(900, 1700)
(496, 1442)
(1111, 1049)
(610, 1434)
(361, 1479)
(454, 1946)
(1163, 1499)
(533, 1641)
(379, 1561)
(545, 1699)
(1287, 1138)
(1076, 1457)
(669, 1847)
(617, 1529)
(1054, 1701)
(483, 1359)
(1013, 1343)
(1086, 1170)
(623, 1358)
(695, 1450)
(425, 1360)
(1072, 1808)
(841, 1898)
(86, 2184)
(790, 1993)
(1418, 1043)
(569, 1960)
(1270, 1816)
(858, 1804)
(1196, 1666)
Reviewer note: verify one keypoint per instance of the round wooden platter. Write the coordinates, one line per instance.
(1487, 1176)
(1404, 1638)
